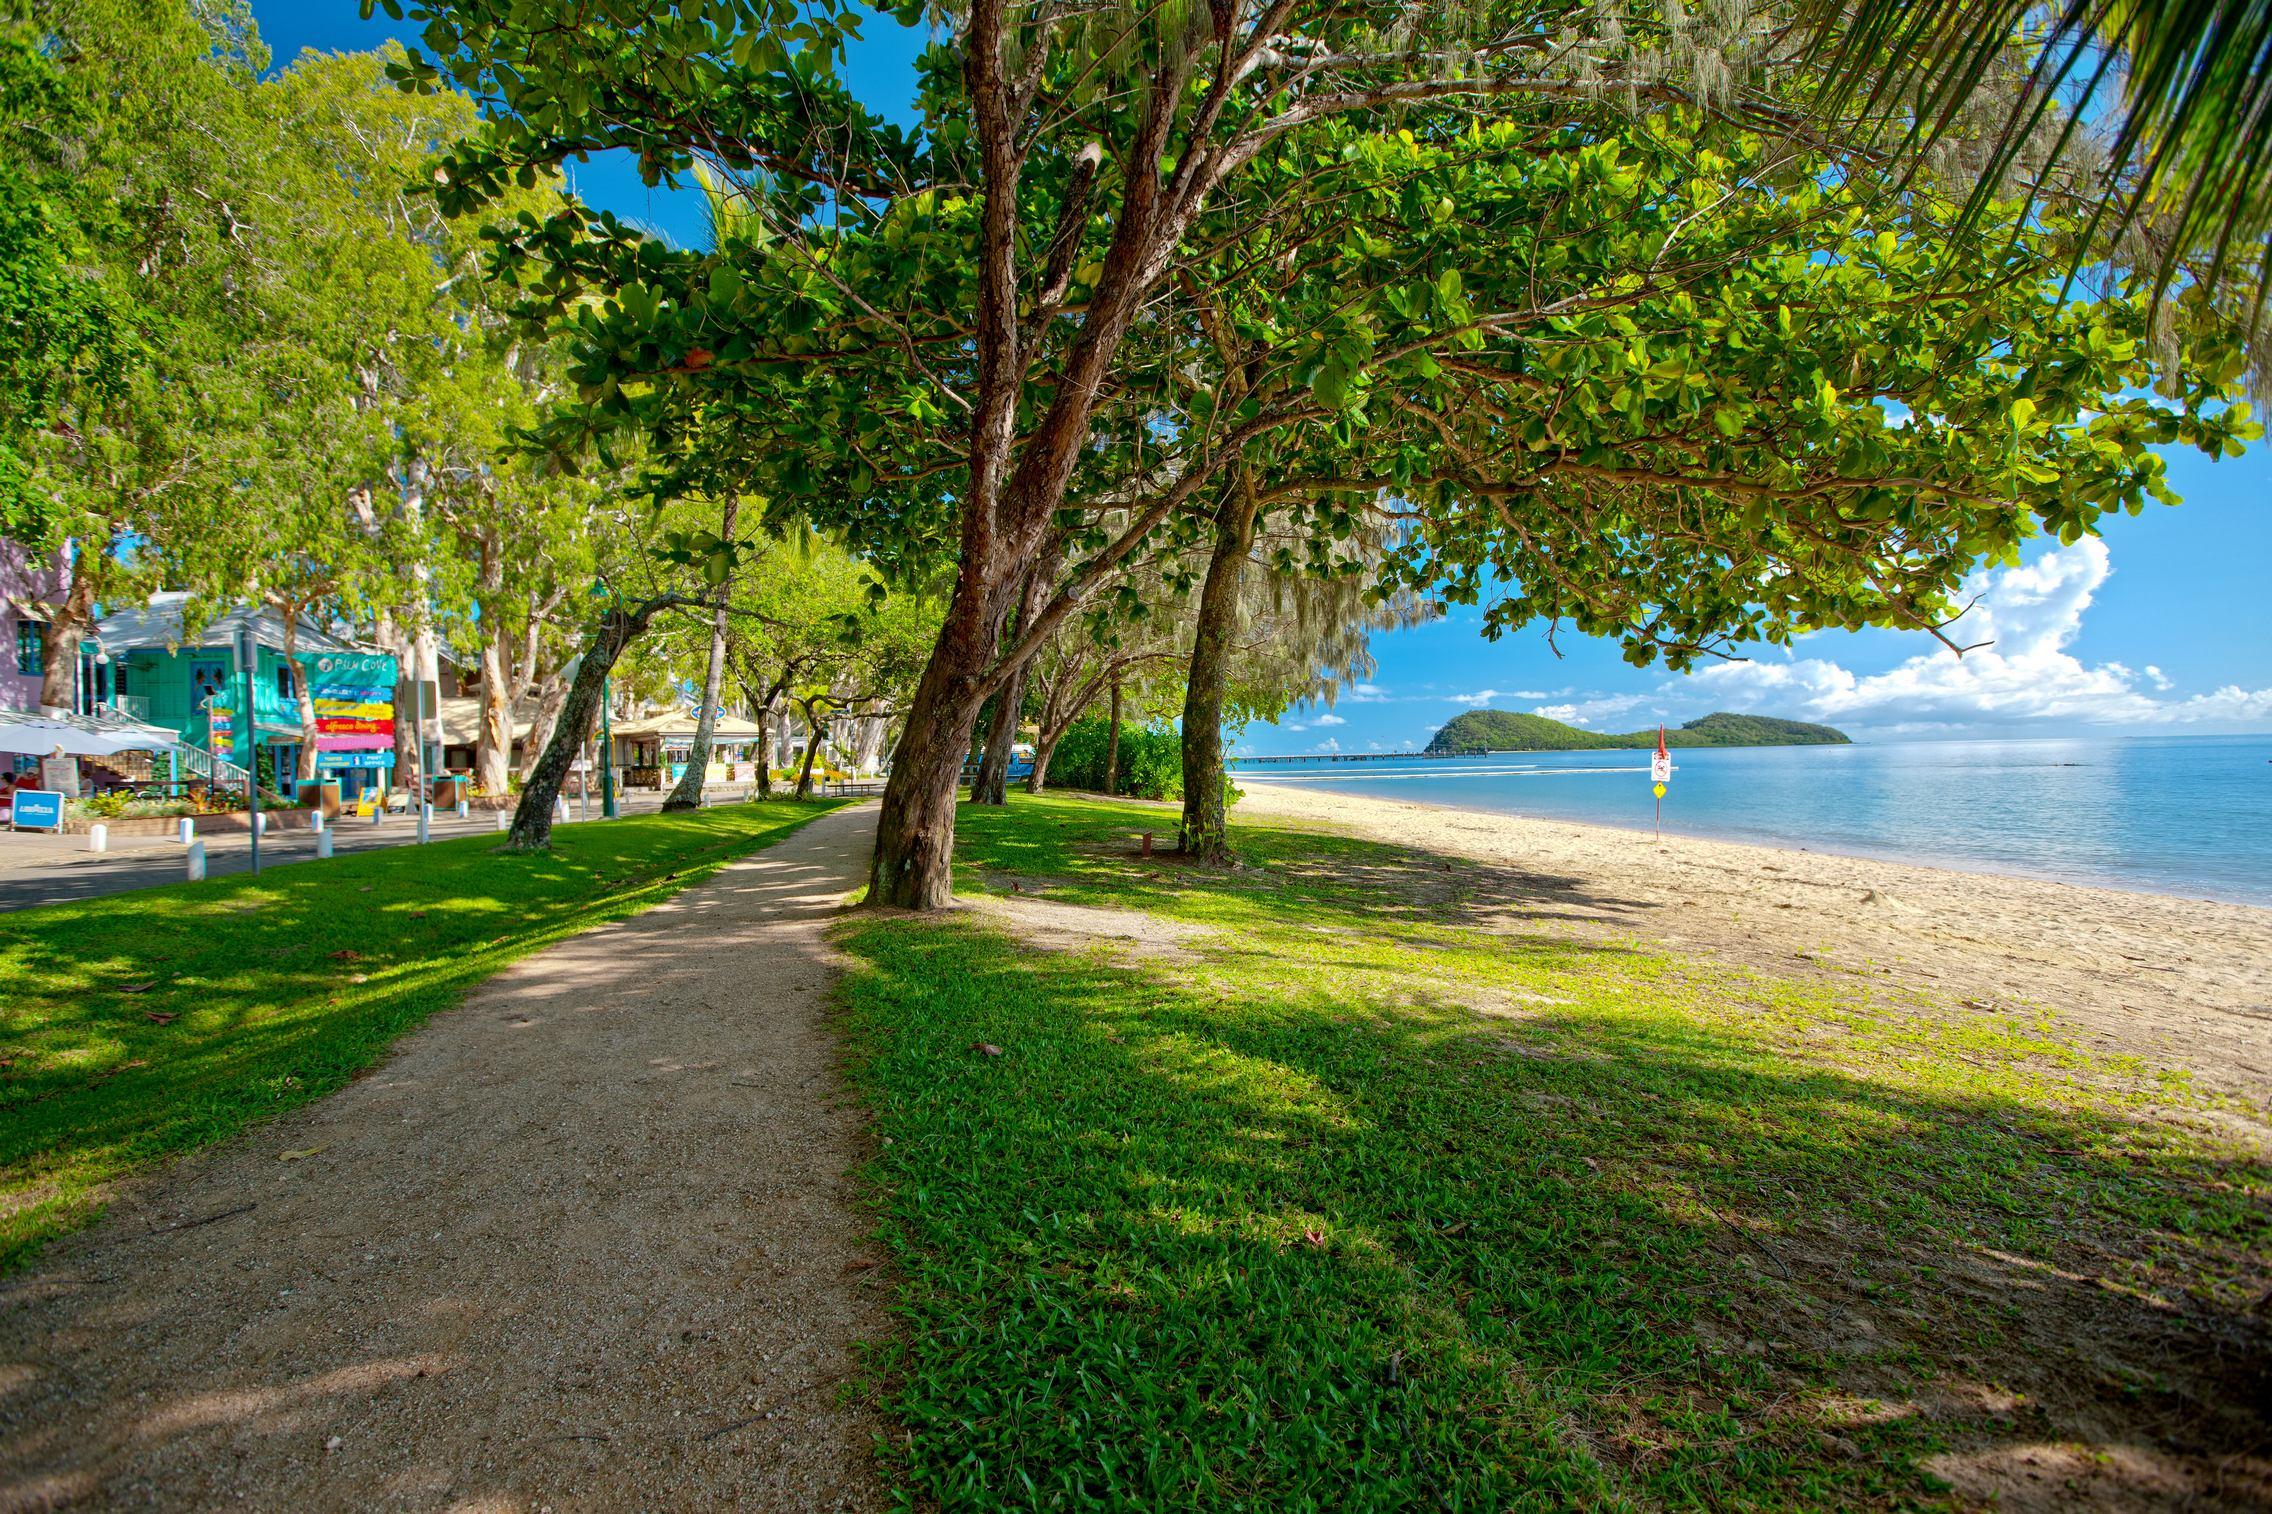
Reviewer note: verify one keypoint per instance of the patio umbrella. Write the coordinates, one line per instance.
(41, 735)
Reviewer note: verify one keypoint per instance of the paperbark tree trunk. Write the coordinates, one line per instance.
(1112, 743)
(812, 748)
(493, 738)
(687, 794)
(1206, 825)
(551, 694)
(764, 752)
(532, 818)
(304, 765)
(68, 624)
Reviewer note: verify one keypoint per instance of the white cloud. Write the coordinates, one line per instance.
(1485, 696)
(1327, 746)
(1329, 720)
(1593, 708)
(2161, 680)
(1366, 693)
(2030, 617)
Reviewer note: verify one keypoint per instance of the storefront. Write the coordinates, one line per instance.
(652, 753)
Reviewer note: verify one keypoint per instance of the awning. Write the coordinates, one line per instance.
(77, 736)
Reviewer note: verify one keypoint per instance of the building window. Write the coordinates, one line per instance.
(31, 647)
(206, 679)
(284, 689)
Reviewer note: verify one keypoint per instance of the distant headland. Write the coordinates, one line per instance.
(1480, 731)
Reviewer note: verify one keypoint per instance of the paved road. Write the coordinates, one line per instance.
(36, 868)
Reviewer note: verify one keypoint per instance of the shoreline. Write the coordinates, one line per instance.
(1859, 851)
(2184, 983)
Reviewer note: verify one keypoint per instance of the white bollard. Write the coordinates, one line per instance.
(560, 809)
(260, 823)
(98, 838)
(196, 861)
(461, 809)
(323, 843)
(315, 821)
(186, 832)
(378, 813)
(425, 820)
(504, 820)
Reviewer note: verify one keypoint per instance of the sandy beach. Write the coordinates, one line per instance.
(2179, 983)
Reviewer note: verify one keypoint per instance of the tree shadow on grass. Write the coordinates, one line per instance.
(1085, 845)
(1314, 1245)
(139, 1024)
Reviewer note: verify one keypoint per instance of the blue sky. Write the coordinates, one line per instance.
(2165, 621)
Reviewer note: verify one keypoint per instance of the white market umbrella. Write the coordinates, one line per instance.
(43, 735)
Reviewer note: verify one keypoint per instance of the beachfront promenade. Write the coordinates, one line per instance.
(37, 868)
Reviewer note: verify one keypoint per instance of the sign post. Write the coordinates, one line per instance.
(1660, 774)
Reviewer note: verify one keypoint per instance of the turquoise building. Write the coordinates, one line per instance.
(152, 669)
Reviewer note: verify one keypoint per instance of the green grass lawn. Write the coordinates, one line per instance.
(1373, 1182)
(153, 1022)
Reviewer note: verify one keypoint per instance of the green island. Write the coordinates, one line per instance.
(1481, 731)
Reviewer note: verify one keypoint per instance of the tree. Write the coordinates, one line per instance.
(687, 794)
(2182, 158)
(125, 252)
(975, 330)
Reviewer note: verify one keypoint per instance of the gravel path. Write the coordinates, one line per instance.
(586, 1241)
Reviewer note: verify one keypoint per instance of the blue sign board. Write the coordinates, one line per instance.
(355, 759)
(38, 810)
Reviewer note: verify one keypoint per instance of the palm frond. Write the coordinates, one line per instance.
(2179, 90)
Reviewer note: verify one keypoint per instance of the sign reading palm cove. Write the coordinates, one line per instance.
(1481, 731)
(353, 694)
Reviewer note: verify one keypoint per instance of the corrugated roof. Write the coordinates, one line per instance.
(159, 624)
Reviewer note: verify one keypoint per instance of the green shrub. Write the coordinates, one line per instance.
(1151, 759)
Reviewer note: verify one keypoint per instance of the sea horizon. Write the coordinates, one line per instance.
(2183, 815)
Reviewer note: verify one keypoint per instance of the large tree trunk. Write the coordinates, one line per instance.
(532, 818)
(1206, 826)
(1112, 743)
(915, 833)
(67, 626)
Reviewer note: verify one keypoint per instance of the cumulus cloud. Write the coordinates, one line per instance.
(1366, 693)
(1594, 708)
(1485, 696)
(1329, 720)
(1328, 745)
(2030, 616)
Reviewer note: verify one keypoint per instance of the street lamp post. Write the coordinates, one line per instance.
(607, 757)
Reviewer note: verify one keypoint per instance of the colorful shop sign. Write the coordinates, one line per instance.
(353, 693)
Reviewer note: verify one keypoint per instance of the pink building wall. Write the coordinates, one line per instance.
(22, 577)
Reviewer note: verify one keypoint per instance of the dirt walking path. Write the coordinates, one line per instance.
(583, 1242)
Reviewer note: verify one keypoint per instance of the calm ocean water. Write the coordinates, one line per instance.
(2165, 814)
